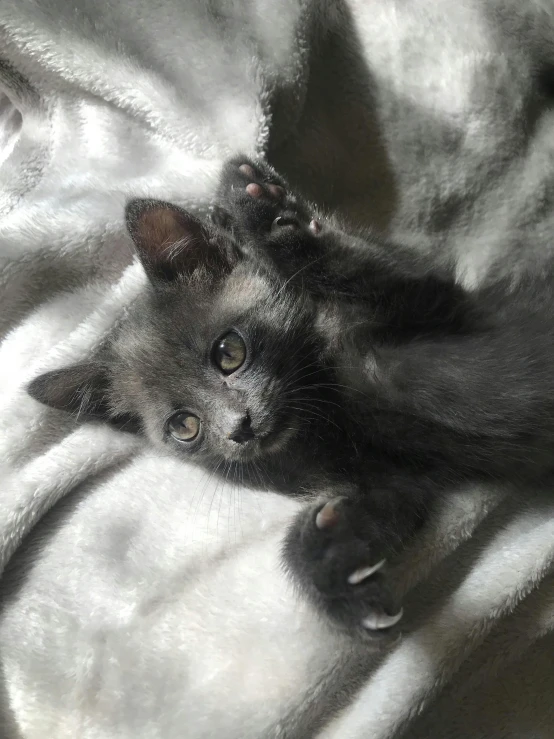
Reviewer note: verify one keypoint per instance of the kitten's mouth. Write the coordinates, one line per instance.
(262, 445)
(276, 441)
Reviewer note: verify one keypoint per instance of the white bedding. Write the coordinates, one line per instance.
(142, 598)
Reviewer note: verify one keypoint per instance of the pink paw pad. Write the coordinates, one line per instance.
(247, 170)
(255, 190)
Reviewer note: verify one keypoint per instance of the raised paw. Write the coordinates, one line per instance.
(341, 566)
(254, 200)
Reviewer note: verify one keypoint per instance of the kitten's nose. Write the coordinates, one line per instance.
(244, 432)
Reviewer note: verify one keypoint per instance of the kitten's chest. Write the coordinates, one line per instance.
(350, 352)
(343, 326)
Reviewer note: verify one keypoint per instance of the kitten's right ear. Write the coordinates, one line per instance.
(80, 388)
(171, 242)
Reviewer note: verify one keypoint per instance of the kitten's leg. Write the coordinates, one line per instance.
(398, 287)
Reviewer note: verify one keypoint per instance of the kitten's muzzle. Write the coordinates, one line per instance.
(244, 432)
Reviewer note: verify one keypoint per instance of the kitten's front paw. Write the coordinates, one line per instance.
(342, 571)
(255, 200)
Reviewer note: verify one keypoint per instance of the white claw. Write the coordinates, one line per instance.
(328, 516)
(364, 572)
(378, 621)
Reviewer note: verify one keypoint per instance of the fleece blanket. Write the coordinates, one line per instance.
(139, 596)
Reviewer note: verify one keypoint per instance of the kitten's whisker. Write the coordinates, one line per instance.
(208, 478)
(300, 348)
(255, 473)
(264, 485)
(224, 493)
(329, 385)
(239, 501)
(216, 492)
(315, 414)
(232, 504)
(305, 266)
(318, 401)
(349, 388)
(299, 368)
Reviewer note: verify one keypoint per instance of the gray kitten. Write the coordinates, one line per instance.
(278, 348)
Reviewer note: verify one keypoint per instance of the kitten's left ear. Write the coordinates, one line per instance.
(80, 388)
(172, 242)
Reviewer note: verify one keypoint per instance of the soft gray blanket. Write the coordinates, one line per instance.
(140, 597)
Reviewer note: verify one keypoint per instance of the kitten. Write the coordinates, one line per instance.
(278, 348)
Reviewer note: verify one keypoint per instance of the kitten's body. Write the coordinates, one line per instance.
(369, 378)
(446, 385)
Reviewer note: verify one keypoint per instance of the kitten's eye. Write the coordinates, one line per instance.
(230, 352)
(184, 426)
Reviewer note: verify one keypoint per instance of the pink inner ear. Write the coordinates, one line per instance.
(170, 241)
(160, 228)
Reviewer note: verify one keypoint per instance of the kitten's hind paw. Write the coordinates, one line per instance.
(341, 567)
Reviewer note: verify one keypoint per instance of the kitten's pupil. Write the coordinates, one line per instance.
(184, 426)
(230, 352)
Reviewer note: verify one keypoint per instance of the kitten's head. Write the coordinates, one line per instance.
(217, 359)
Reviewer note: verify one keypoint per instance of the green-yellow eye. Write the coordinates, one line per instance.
(230, 352)
(184, 426)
